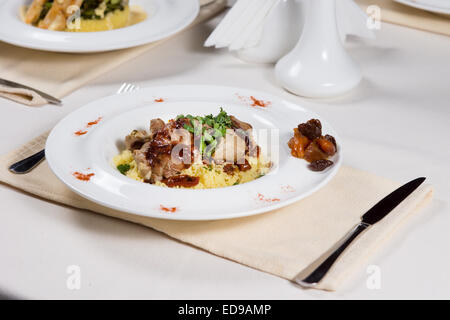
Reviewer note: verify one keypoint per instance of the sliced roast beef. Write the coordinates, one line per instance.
(136, 139)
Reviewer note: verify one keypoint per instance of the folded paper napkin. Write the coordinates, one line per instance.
(283, 242)
(397, 13)
(25, 65)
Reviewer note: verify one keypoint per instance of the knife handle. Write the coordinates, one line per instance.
(322, 269)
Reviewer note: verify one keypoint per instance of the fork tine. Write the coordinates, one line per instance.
(121, 88)
(127, 87)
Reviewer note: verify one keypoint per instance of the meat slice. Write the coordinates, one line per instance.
(169, 151)
(158, 166)
(165, 167)
(238, 124)
(143, 166)
(180, 136)
(230, 149)
(173, 168)
(244, 130)
(156, 125)
(136, 139)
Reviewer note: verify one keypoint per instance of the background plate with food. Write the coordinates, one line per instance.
(436, 6)
(92, 25)
(194, 152)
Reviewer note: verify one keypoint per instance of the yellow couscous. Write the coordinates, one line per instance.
(113, 20)
(212, 176)
(98, 15)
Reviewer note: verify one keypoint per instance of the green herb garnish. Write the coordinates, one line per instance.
(123, 168)
(208, 130)
(45, 9)
(89, 6)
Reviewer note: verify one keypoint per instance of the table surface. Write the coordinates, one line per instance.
(395, 124)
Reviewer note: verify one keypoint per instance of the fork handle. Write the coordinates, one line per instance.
(27, 164)
(322, 269)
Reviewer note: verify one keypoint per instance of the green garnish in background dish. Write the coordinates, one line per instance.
(208, 130)
(45, 9)
(123, 168)
(89, 6)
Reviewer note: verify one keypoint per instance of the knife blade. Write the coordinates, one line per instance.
(388, 203)
(372, 216)
(44, 95)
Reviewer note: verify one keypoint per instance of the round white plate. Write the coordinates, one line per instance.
(165, 18)
(290, 180)
(437, 6)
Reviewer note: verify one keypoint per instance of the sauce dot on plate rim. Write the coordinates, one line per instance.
(168, 209)
(83, 176)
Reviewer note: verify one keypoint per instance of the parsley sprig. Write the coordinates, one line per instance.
(207, 130)
(123, 168)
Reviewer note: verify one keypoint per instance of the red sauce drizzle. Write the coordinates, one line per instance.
(93, 123)
(183, 180)
(253, 101)
(259, 103)
(83, 177)
(168, 209)
(261, 197)
(80, 133)
(159, 100)
(244, 166)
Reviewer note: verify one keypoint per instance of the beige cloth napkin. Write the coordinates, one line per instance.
(397, 13)
(24, 96)
(58, 74)
(283, 242)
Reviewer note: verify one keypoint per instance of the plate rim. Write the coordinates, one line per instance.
(424, 7)
(223, 216)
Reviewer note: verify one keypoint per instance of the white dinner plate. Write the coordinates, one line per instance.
(165, 18)
(113, 117)
(437, 6)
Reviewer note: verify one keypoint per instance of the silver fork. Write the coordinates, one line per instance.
(127, 87)
(28, 164)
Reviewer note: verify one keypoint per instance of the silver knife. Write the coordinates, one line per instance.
(375, 214)
(44, 95)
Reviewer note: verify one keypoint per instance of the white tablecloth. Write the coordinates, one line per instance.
(395, 124)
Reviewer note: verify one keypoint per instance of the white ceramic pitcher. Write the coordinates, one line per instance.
(318, 66)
